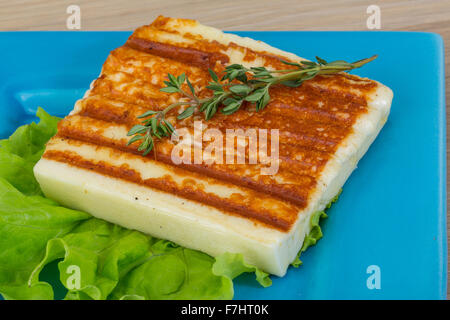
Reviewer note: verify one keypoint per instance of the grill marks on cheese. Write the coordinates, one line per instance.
(312, 119)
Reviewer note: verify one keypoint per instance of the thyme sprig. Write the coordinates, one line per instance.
(228, 94)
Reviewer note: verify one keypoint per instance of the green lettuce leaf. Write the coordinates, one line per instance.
(174, 272)
(232, 265)
(26, 224)
(23, 149)
(315, 233)
(27, 220)
(102, 252)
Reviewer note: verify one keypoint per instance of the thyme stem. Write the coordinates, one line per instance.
(229, 93)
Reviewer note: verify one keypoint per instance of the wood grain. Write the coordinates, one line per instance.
(407, 15)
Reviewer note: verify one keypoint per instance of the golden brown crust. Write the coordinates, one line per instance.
(312, 119)
(189, 188)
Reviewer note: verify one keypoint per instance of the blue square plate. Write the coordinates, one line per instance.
(391, 216)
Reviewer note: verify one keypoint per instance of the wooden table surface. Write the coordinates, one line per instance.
(406, 15)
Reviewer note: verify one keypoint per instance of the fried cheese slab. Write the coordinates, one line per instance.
(325, 126)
